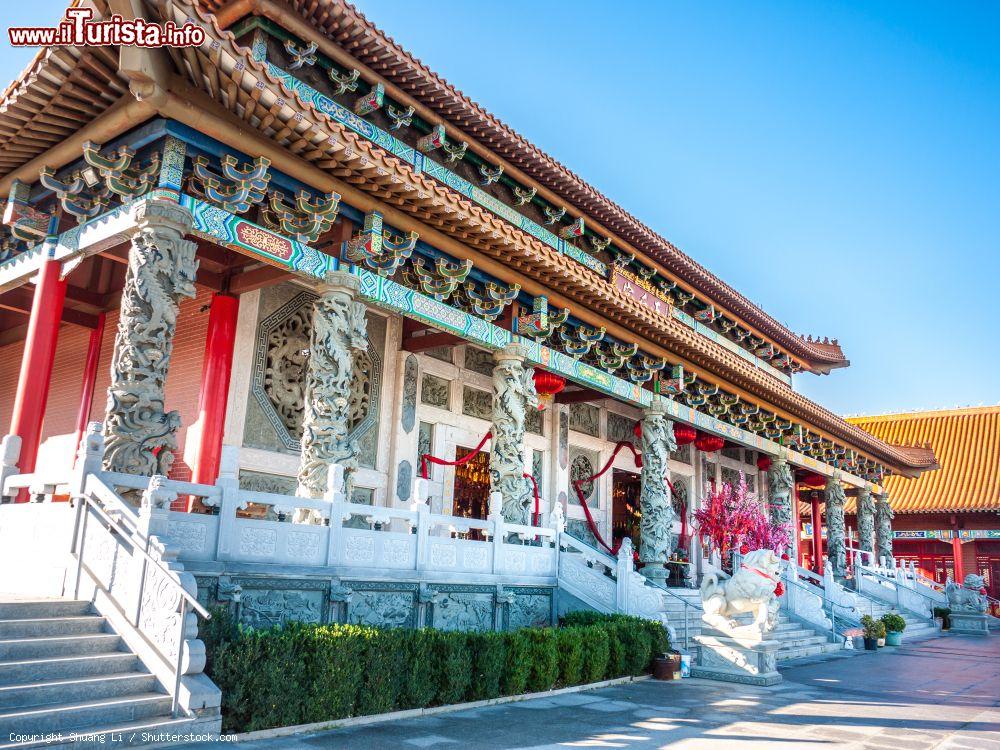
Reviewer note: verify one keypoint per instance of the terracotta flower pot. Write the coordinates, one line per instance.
(667, 667)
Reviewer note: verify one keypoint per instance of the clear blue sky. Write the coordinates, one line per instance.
(838, 163)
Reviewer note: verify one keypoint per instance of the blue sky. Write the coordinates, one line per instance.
(838, 163)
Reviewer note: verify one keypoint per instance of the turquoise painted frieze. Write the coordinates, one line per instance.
(422, 163)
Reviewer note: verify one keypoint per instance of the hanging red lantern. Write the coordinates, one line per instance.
(763, 462)
(547, 384)
(637, 430)
(684, 434)
(709, 443)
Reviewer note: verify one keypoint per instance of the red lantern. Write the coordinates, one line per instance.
(547, 384)
(763, 462)
(709, 443)
(637, 430)
(684, 434)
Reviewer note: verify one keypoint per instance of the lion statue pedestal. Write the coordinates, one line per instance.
(968, 606)
(731, 651)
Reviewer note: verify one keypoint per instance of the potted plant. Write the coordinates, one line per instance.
(894, 627)
(941, 614)
(871, 628)
(881, 633)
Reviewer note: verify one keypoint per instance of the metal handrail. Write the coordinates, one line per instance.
(833, 605)
(186, 599)
(687, 605)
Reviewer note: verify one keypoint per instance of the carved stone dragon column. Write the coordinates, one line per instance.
(836, 545)
(780, 485)
(883, 530)
(656, 540)
(140, 437)
(513, 393)
(339, 331)
(866, 523)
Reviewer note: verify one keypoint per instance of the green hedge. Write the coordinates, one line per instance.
(299, 674)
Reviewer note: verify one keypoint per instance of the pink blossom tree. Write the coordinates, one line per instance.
(732, 518)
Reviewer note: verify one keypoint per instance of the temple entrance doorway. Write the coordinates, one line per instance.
(472, 486)
(625, 489)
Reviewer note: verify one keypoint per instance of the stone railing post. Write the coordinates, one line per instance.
(657, 539)
(883, 528)
(338, 332)
(623, 573)
(140, 436)
(229, 501)
(10, 449)
(496, 517)
(513, 394)
(835, 526)
(780, 485)
(557, 522)
(89, 458)
(335, 495)
(422, 507)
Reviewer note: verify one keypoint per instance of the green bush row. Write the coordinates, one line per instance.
(299, 673)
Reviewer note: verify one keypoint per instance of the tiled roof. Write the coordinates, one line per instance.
(966, 443)
(348, 27)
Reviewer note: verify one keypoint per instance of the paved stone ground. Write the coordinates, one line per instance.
(940, 693)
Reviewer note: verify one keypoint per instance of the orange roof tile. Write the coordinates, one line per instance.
(966, 443)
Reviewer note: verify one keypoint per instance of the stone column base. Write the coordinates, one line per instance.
(722, 657)
(969, 623)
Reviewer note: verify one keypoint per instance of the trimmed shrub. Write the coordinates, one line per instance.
(544, 659)
(570, 646)
(518, 666)
(595, 648)
(893, 622)
(489, 655)
(423, 669)
(455, 664)
(300, 673)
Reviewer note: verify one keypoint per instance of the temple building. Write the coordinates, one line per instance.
(353, 349)
(947, 521)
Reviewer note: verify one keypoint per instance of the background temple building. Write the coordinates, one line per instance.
(293, 249)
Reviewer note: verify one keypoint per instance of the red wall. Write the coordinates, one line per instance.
(183, 379)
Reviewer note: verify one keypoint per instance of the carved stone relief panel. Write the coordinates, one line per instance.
(391, 605)
(585, 418)
(733, 452)
(529, 608)
(620, 428)
(275, 407)
(479, 360)
(477, 403)
(578, 528)
(425, 441)
(682, 454)
(730, 476)
(533, 421)
(443, 353)
(259, 481)
(409, 410)
(463, 608)
(583, 464)
(273, 601)
(435, 391)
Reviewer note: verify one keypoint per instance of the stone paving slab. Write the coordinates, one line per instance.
(940, 694)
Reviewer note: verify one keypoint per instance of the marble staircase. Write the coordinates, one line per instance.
(916, 627)
(63, 670)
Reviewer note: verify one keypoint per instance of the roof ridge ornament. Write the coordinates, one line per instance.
(301, 56)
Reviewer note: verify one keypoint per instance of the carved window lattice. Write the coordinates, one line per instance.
(280, 373)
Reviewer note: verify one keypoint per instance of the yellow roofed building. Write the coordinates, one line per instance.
(948, 520)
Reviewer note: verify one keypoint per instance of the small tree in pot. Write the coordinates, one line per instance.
(873, 630)
(894, 627)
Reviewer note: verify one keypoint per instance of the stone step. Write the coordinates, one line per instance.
(20, 649)
(75, 717)
(74, 690)
(802, 652)
(80, 716)
(101, 737)
(37, 609)
(65, 667)
(794, 643)
(791, 633)
(46, 626)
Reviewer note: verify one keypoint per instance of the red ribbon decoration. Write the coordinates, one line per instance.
(427, 458)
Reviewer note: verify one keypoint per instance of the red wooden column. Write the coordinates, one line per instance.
(89, 381)
(956, 553)
(36, 365)
(817, 521)
(216, 370)
(797, 521)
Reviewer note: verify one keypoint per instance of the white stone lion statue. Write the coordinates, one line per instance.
(750, 589)
(967, 597)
